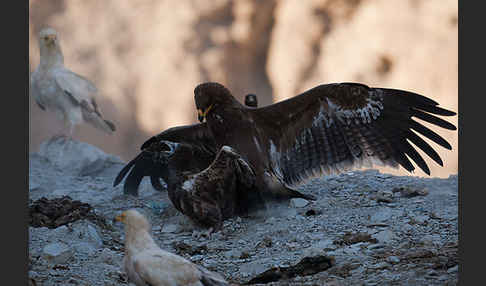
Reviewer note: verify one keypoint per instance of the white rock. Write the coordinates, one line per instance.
(234, 253)
(385, 236)
(108, 256)
(170, 228)
(57, 253)
(382, 215)
(298, 202)
(252, 268)
(421, 218)
(393, 259)
(453, 269)
(74, 156)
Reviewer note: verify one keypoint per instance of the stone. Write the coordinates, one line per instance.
(252, 268)
(298, 203)
(453, 269)
(384, 196)
(57, 253)
(421, 219)
(107, 256)
(76, 157)
(170, 228)
(381, 265)
(382, 215)
(385, 236)
(86, 232)
(234, 253)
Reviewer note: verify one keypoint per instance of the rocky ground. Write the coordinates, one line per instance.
(377, 229)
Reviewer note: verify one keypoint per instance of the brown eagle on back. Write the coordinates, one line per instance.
(328, 129)
(194, 153)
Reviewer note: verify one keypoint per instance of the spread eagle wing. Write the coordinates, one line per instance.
(81, 92)
(334, 127)
(196, 153)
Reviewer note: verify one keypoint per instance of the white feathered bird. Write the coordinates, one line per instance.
(56, 88)
(146, 264)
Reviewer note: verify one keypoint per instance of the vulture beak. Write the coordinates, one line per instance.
(50, 39)
(119, 218)
(201, 115)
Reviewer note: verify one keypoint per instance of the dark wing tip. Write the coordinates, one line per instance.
(149, 142)
(123, 172)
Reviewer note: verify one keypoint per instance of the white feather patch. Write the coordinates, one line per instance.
(187, 186)
(364, 115)
(274, 157)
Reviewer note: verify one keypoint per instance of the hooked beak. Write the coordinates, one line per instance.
(118, 218)
(201, 115)
(50, 39)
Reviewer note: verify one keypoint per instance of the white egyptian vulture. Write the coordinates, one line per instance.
(56, 88)
(148, 265)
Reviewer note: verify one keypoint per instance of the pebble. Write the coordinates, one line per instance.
(453, 269)
(234, 253)
(393, 259)
(170, 228)
(421, 219)
(384, 236)
(382, 215)
(298, 202)
(384, 196)
(381, 265)
(107, 256)
(252, 268)
(57, 253)
(327, 244)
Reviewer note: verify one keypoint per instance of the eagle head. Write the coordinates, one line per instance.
(210, 97)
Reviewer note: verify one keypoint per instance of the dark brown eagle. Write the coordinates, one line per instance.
(328, 129)
(194, 153)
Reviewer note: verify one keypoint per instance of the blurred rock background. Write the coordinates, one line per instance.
(146, 57)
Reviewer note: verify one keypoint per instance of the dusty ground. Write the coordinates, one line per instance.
(412, 225)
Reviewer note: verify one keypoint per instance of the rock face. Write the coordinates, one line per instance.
(147, 59)
(76, 157)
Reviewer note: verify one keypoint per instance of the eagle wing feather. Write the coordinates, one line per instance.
(332, 128)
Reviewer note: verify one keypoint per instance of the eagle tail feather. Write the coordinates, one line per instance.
(141, 166)
(123, 172)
